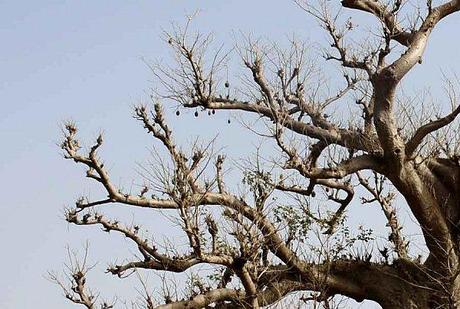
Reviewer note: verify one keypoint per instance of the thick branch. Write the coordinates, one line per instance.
(203, 300)
(344, 168)
(388, 18)
(334, 135)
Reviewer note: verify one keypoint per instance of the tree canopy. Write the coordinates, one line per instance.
(336, 140)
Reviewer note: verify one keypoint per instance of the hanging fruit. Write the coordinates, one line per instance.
(196, 113)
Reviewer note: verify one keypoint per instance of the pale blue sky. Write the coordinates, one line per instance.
(81, 60)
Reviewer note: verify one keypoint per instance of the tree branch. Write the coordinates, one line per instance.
(428, 128)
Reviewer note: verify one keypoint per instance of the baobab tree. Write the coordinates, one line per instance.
(263, 244)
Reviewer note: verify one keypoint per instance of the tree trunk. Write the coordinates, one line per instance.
(430, 191)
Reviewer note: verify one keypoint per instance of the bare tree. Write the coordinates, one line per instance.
(287, 234)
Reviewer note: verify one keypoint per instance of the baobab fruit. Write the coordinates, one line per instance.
(196, 113)
(177, 113)
(209, 113)
(228, 121)
(213, 111)
(227, 84)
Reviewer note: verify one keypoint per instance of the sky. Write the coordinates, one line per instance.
(84, 61)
